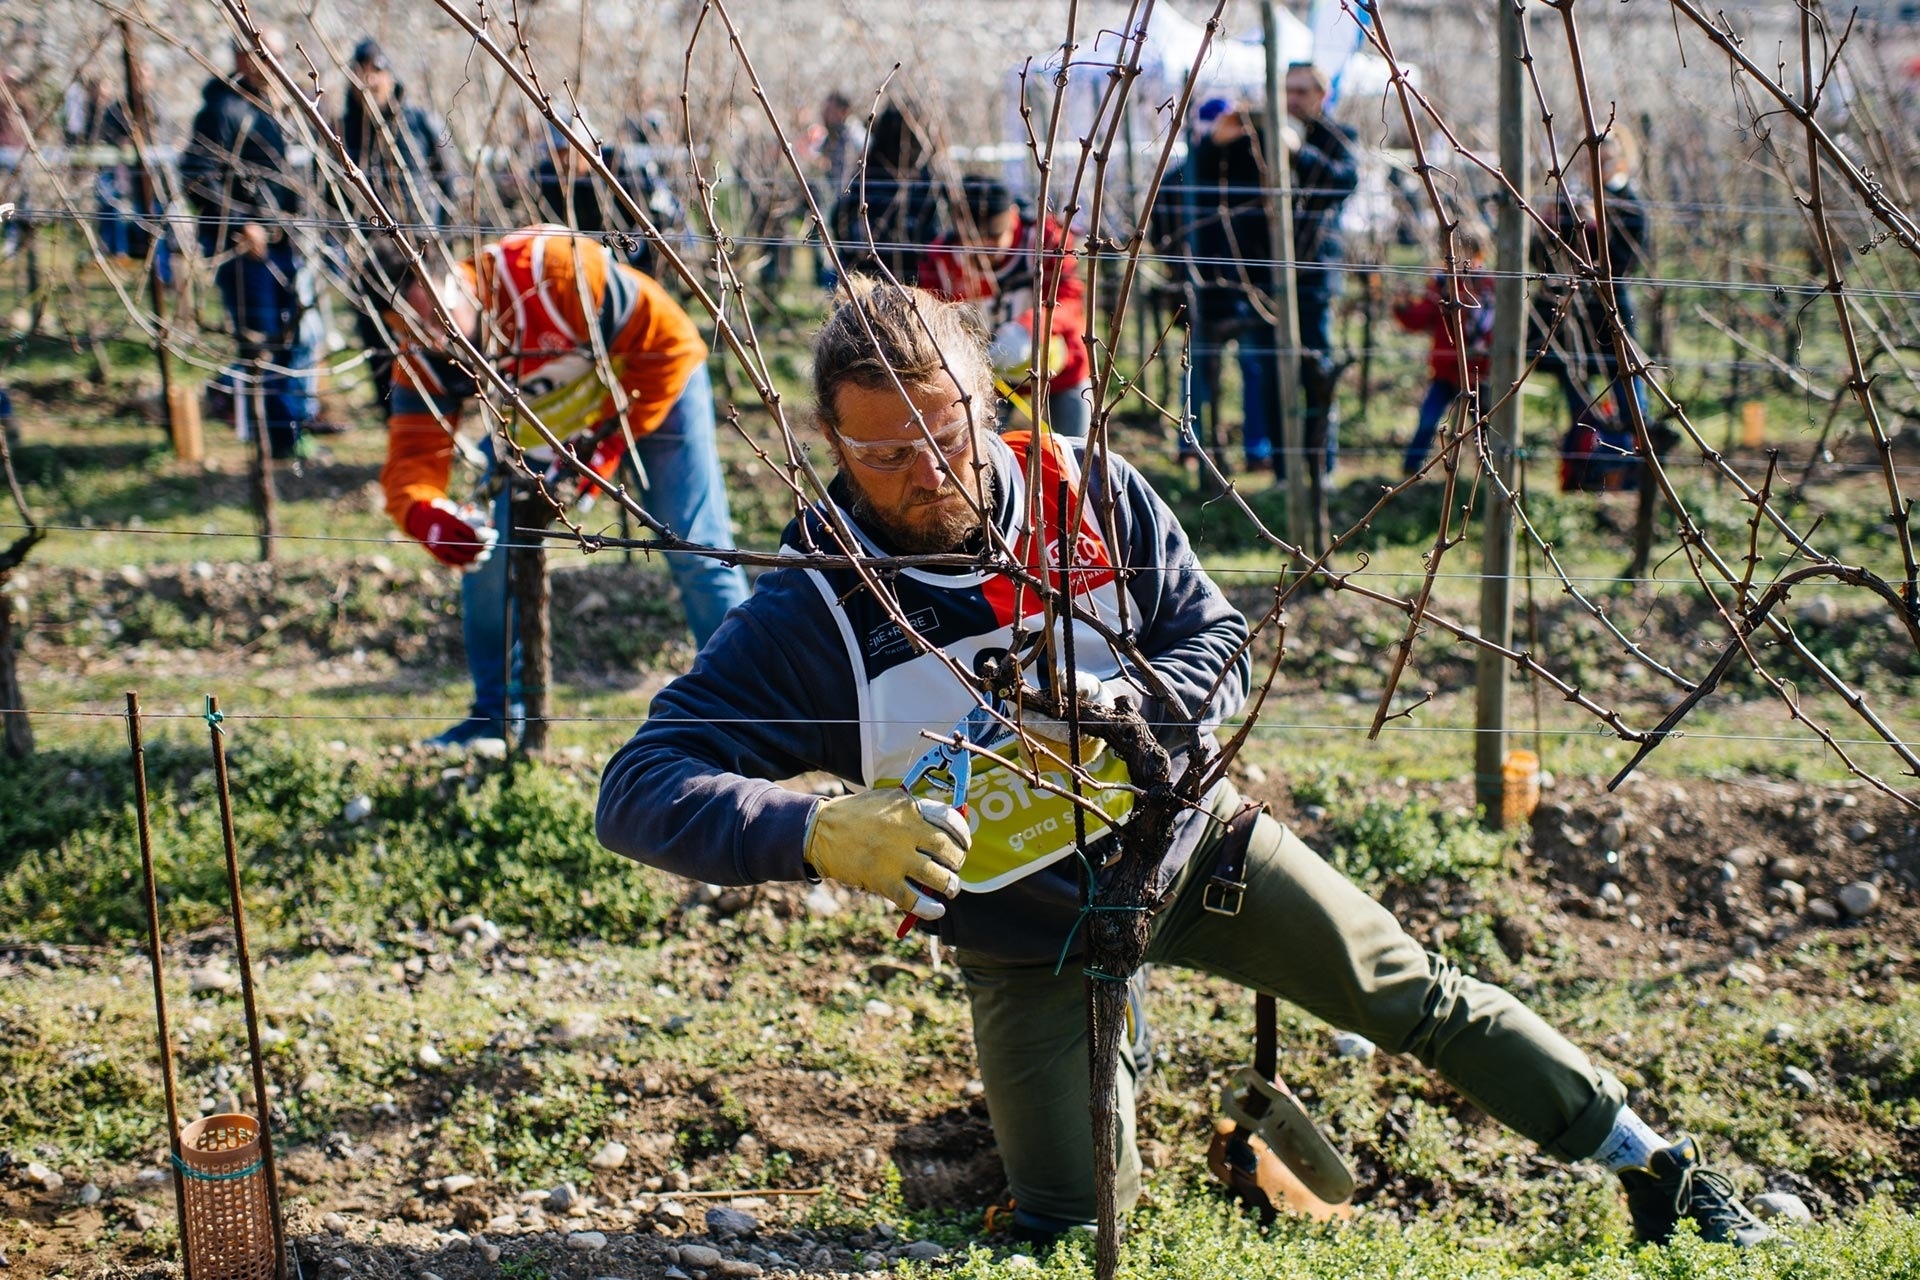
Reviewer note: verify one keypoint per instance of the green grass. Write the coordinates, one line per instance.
(357, 973)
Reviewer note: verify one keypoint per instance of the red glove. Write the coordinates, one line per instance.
(456, 535)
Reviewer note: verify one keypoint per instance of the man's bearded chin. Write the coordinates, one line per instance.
(930, 529)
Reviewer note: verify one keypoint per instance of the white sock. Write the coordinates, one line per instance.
(1631, 1144)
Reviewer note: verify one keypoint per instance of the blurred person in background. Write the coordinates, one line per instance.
(1238, 271)
(408, 156)
(240, 178)
(1467, 293)
(834, 146)
(989, 259)
(890, 211)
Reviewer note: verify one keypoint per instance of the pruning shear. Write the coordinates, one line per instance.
(948, 766)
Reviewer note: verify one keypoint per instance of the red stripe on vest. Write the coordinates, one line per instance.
(1092, 566)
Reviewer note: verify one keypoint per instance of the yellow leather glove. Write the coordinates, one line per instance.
(880, 840)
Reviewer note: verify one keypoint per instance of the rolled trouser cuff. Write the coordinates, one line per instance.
(1591, 1128)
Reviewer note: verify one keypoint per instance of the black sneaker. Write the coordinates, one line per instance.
(1675, 1186)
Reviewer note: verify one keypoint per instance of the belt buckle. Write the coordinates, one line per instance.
(1223, 897)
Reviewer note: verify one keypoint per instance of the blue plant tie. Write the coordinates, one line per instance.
(1089, 908)
(213, 718)
(199, 1175)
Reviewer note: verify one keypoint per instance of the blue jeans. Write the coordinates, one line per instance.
(272, 321)
(1260, 377)
(685, 490)
(1440, 398)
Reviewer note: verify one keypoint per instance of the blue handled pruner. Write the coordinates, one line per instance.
(948, 767)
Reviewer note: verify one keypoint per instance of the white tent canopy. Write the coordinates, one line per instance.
(1234, 68)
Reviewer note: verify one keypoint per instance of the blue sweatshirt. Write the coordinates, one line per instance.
(773, 695)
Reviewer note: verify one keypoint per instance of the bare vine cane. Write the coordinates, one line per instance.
(262, 1103)
(150, 891)
(1118, 909)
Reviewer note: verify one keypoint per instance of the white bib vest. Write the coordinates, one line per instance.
(1017, 828)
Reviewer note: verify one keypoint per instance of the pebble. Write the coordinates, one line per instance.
(611, 1156)
(1801, 1079)
(700, 1257)
(822, 900)
(924, 1251)
(974, 1088)
(212, 978)
(874, 1261)
(335, 1223)
(587, 1241)
(453, 1184)
(1349, 1045)
(879, 1009)
(1614, 833)
(89, 1194)
(1022, 1262)
(562, 1198)
(489, 748)
(313, 1082)
(1611, 894)
(1783, 1205)
(142, 1219)
(675, 1273)
(491, 1252)
(1822, 910)
(576, 1027)
(736, 1267)
(1860, 831)
(1787, 868)
(1789, 893)
(1742, 856)
(430, 1056)
(1859, 898)
(1750, 974)
(1782, 1033)
(358, 809)
(44, 1178)
(731, 1222)
(429, 1275)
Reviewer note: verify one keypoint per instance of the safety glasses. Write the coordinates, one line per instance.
(899, 455)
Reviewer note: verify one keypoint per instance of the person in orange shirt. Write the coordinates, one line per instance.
(606, 360)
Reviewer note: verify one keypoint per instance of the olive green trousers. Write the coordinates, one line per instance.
(1304, 934)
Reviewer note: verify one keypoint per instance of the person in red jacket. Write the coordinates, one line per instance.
(604, 357)
(1471, 288)
(988, 260)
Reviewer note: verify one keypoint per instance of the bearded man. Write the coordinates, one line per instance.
(817, 672)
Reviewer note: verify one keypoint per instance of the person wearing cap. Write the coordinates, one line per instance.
(406, 152)
(239, 176)
(1236, 268)
(990, 259)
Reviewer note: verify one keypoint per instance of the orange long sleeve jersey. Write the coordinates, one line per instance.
(538, 292)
